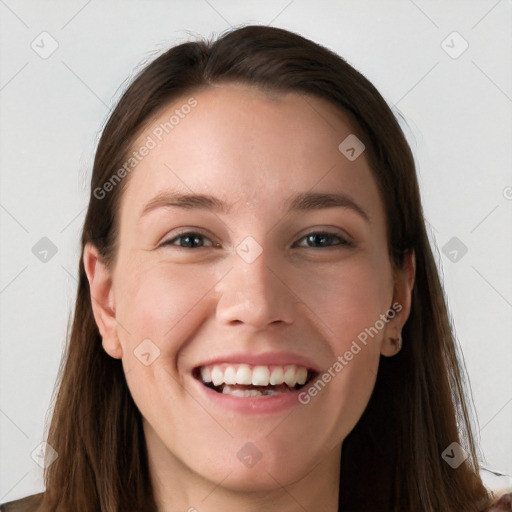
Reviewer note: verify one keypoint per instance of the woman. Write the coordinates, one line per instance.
(259, 322)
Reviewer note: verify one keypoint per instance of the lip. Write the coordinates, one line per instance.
(262, 359)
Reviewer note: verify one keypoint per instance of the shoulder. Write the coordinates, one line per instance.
(27, 504)
(502, 504)
(500, 487)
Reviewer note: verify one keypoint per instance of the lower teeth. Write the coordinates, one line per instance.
(230, 390)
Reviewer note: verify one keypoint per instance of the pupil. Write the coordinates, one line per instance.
(318, 239)
(189, 240)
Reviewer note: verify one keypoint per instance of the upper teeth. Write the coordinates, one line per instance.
(256, 375)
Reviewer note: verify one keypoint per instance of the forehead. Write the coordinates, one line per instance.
(246, 146)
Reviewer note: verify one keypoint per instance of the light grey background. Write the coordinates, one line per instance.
(459, 117)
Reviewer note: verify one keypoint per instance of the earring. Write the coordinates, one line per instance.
(398, 343)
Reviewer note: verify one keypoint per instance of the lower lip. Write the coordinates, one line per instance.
(251, 405)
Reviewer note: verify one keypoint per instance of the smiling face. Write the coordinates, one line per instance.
(284, 262)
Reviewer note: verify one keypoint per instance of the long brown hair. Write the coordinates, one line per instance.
(392, 460)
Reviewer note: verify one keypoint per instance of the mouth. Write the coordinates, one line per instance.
(248, 381)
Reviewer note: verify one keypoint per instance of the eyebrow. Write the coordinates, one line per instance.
(305, 201)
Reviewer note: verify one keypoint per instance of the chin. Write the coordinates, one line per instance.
(257, 467)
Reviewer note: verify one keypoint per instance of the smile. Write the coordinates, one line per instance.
(247, 381)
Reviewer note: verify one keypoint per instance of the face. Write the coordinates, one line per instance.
(221, 308)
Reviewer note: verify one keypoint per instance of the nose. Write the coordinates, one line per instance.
(255, 294)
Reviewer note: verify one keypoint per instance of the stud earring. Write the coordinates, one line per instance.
(398, 343)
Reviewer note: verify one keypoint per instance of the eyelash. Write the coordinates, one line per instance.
(343, 241)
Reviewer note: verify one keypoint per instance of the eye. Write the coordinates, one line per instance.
(322, 239)
(189, 240)
(314, 240)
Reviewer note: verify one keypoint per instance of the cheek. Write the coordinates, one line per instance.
(157, 302)
(349, 303)
(348, 298)
(158, 310)
(351, 390)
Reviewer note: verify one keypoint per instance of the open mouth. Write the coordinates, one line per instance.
(243, 380)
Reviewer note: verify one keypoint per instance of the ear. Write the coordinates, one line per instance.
(401, 305)
(102, 300)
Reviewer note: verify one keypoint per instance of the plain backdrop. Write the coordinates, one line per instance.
(457, 106)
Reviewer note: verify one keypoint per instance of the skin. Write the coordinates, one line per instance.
(252, 151)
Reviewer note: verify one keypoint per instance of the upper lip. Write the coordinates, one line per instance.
(261, 359)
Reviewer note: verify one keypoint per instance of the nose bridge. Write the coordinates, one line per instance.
(253, 293)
